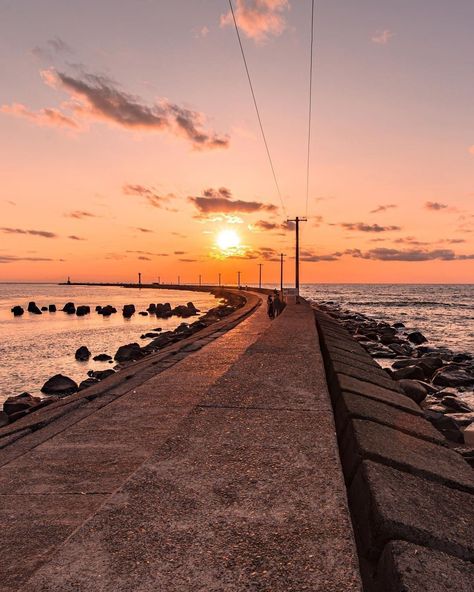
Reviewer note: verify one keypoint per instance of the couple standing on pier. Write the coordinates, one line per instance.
(274, 305)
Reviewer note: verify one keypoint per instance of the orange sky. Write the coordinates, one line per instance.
(130, 148)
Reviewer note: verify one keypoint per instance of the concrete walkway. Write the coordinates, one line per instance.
(221, 473)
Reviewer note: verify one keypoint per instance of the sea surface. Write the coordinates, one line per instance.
(35, 347)
(444, 313)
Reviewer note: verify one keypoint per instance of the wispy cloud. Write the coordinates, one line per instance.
(382, 37)
(383, 254)
(259, 19)
(270, 226)
(51, 48)
(220, 201)
(149, 253)
(80, 214)
(201, 32)
(15, 259)
(383, 208)
(95, 97)
(76, 238)
(149, 193)
(435, 206)
(363, 227)
(42, 233)
(313, 257)
(144, 230)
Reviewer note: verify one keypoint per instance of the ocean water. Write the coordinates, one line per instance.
(444, 313)
(35, 347)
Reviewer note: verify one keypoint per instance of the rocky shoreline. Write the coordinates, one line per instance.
(439, 380)
(60, 386)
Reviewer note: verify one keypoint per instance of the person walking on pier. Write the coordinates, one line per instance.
(277, 307)
(270, 308)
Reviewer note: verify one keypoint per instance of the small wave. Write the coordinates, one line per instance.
(408, 303)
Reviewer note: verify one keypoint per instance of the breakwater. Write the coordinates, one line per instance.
(411, 497)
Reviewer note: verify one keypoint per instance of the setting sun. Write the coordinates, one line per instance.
(227, 239)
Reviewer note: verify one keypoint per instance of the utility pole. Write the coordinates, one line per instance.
(179, 279)
(200, 279)
(159, 279)
(140, 280)
(260, 275)
(238, 279)
(219, 279)
(297, 253)
(281, 272)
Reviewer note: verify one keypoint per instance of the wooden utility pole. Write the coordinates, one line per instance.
(200, 280)
(297, 221)
(281, 272)
(140, 280)
(260, 265)
(238, 279)
(219, 279)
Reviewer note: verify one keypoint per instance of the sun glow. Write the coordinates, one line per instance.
(227, 240)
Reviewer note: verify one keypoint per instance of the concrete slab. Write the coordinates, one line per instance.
(410, 568)
(388, 504)
(351, 406)
(375, 375)
(368, 440)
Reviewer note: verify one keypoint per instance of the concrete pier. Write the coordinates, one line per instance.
(221, 472)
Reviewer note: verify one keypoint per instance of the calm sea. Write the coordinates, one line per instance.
(444, 313)
(35, 347)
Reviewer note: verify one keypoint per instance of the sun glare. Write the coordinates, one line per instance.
(227, 239)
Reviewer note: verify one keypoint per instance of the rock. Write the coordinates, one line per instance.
(82, 354)
(100, 374)
(462, 358)
(183, 311)
(191, 306)
(128, 310)
(69, 307)
(448, 427)
(128, 353)
(23, 402)
(429, 365)
(87, 383)
(163, 311)
(453, 375)
(3, 419)
(149, 336)
(455, 404)
(469, 435)
(52, 308)
(157, 329)
(387, 339)
(108, 310)
(17, 311)
(413, 389)
(416, 337)
(151, 308)
(98, 309)
(83, 310)
(33, 308)
(44, 308)
(403, 363)
(59, 385)
(398, 325)
(409, 372)
(143, 314)
(102, 358)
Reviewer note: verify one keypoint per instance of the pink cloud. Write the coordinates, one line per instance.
(259, 19)
(42, 117)
(382, 37)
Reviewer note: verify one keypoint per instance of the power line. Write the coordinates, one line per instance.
(310, 104)
(256, 107)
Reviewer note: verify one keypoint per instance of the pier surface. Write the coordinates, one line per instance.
(220, 473)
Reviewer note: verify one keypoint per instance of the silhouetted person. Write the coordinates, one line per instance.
(270, 309)
(277, 306)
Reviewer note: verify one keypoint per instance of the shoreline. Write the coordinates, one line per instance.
(436, 378)
(60, 387)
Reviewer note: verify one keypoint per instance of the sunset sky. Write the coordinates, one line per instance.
(129, 140)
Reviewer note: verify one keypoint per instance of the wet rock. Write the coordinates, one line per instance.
(143, 313)
(402, 363)
(98, 309)
(157, 329)
(44, 308)
(152, 308)
(413, 389)
(33, 308)
(191, 306)
(17, 311)
(102, 358)
(128, 310)
(163, 311)
(398, 325)
(82, 354)
(447, 426)
(453, 375)
(23, 402)
(149, 335)
(387, 339)
(416, 337)
(100, 374)
(52, 308)
(183, 311)
(380, 351)
(59, 385)
(83, 310)
(455, 404)
(69, 308)
(87, 383)
(409, 372)
(462, 358)
(3, 419)
(128, 353)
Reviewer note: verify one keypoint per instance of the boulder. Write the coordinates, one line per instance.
(163, 311)
(102, 358)
(108, 310)
(128, 353)
(453, 375)
(82, 354)
(416, 337)
(462, 358)
(100, 374)
(157, 329)
(44, 308)
(149, 335)
(409, 372)
(87, 383)
(151, 308)
(447, 426)
(52, 308)
(191, 306)
(17, 311)
(23, 402)
(3, 419)
(69, 308)
(33, 308)
(128, 310)
(413, 389)
(398, 325)
(98, 308)
(455, 404)
(59, 385)
(83, 310)
(143, 313)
